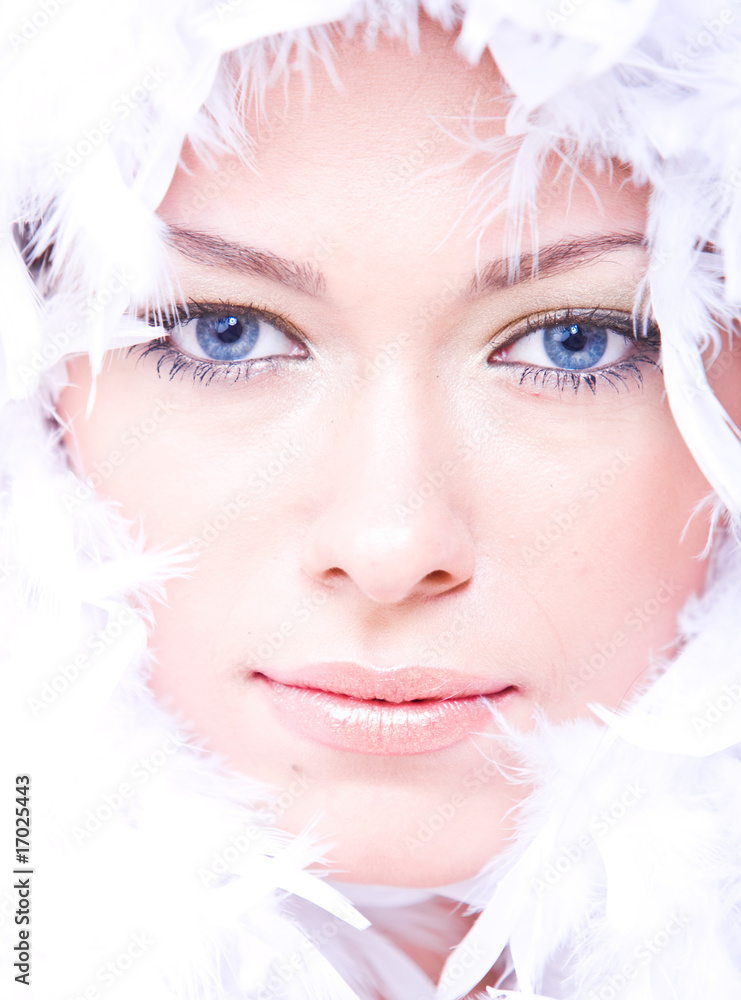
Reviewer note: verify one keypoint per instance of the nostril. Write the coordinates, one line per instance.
(388, 562)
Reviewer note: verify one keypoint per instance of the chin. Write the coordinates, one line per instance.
(438, 843)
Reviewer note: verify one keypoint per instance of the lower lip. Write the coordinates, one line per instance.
(379, 727)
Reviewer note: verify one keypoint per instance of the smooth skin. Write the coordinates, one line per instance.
(404, 492)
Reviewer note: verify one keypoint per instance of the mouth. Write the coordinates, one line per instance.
(403, 710)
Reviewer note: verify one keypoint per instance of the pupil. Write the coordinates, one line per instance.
(228, 329)
(573, 338)
(575, 346)
(225, 337)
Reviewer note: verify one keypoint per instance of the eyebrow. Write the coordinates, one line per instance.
(215, 251)
(496, 275)
(564, 255)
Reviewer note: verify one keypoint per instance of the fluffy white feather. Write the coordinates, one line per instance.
(626, 856)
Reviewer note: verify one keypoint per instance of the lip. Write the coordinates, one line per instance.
(396, 711)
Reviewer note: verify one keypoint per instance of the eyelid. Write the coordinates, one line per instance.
(194, 309)
(622, 322)
(170, 349)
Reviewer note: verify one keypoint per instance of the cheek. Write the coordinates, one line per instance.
(585, 537)
(724, 376)
(213, 477)
(576, 508)
(186, 467)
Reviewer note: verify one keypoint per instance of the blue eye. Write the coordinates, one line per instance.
(563, 351)
(570, 346)
(227, 338)
(223, 342)
(232, 337)
(574, 346)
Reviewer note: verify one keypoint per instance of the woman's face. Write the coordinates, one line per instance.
(404, 477)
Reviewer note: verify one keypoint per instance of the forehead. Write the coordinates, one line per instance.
(402, 153)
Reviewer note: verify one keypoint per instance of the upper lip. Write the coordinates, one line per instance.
(394, 684)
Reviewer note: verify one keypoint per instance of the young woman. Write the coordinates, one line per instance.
(373, 483)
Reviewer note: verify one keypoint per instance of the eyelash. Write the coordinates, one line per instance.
(201, 371)
(562, 378)
(206, 372)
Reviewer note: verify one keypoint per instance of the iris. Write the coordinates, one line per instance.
(575, 346)
(227, 338)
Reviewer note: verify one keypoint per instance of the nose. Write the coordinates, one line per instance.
(388, 522)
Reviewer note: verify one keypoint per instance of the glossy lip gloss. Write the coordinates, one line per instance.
(401, 711)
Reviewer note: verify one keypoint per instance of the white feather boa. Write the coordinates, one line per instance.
(157, 874)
